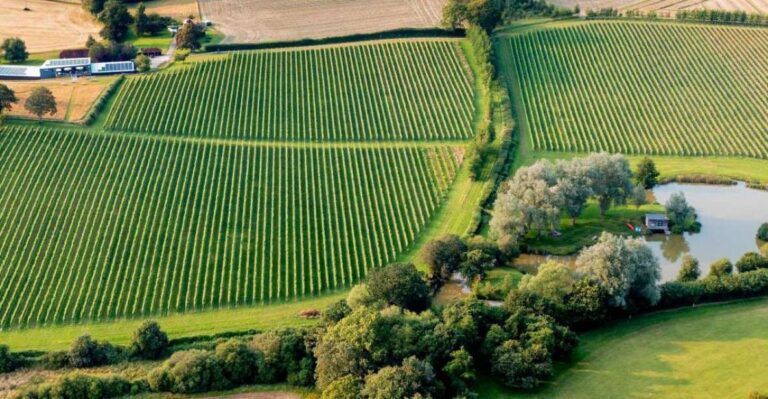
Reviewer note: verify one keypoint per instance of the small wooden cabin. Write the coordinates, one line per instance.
(657, 222)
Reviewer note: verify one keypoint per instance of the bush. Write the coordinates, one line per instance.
(181, 55)
(87, 352)
(743, 285)
(143, 64)
(399, 284)
(751, 261)
(347, 387)
(8, 361)
(689, 270)
(55, 360)
(188, 372)
(149, 341)
(239, 363)
(762, 232)
(721, 268)
(79, 386)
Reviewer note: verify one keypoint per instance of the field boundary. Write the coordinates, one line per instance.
(409, 33)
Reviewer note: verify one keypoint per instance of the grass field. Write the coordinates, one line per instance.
(145, 226)
(392, 90)
(640, 87)
(715, 351)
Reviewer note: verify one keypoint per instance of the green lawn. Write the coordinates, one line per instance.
(177, 325)
(34, 58)
(161, 41)
(588, 226)
(716, 351)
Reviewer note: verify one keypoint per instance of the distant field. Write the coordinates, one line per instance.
(250, 21)
(50, 25)
(641, 88)
(390, 90)
(668, 8)
(98, 226)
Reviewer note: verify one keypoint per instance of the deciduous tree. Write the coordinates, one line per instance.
(41, 102)
(14, 50)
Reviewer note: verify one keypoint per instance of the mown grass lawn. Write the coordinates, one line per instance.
(717, 351)
(588, 227)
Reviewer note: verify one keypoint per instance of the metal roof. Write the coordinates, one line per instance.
(66, 62)
(19, 71)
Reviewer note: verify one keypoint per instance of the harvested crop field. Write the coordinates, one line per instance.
(252, 21)
(73, 98)
(49, 25)
(667, 8)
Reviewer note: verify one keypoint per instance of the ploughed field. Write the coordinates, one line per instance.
(99, 224)
(250, 21)
(394, 90)
(642, 87)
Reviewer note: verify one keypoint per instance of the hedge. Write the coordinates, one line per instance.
(711, 289)
(390, 34)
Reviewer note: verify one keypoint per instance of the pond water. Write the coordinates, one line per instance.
(730, 217)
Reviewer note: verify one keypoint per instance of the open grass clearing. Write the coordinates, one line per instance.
(712, 351)
(252, 21)
(50, 25)
(276, 315)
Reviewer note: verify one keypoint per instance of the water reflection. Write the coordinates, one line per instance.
(730, 217)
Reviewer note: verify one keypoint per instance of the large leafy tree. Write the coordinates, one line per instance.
(116, 19)
(41, 102)
(443, 257)
(7, 98)
(14, 50)
(611, 179)
(189, 36)
(399, 284)
(626, 267)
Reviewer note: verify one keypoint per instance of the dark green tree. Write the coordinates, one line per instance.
(93, 6)
(86, 352)
(117, 21)
(399, 284)
(14, 50)
(476, 264)
(239, 363)
(149, 341)
(142, 21)
(646, 173)
(721, 268)
(7, 98)
(8, 360)
(41, 102)
(442, 257)
(762, 232)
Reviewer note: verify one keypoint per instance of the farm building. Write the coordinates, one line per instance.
(657, 222)
(65, 67)
(74, 53)
(151, 52)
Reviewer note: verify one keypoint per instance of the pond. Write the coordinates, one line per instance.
(730, 217)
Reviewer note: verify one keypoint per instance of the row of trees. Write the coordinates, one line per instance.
(490, 13)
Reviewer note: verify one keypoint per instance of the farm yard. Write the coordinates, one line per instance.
(251, 21)
(390, 90)
(50, 25)
(641, 88)
(149, 226)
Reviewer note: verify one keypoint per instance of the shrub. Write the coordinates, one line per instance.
(143, 64)
(181, 55)
(239, 363)
(347, 387)
(751, 261)
(762, 232)
(8, 361)
(55, 360)
(720, 268)
(188, 372)
(87, 352)
(149, 341)
(743, 285)
(79, 386)
(689, 270)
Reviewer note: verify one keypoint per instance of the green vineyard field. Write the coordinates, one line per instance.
(100, 225)
(642, 87)
(392, 90)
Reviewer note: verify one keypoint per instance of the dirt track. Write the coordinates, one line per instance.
(50, 25)
(250, 21)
